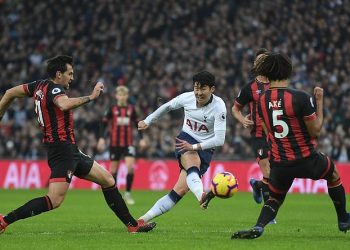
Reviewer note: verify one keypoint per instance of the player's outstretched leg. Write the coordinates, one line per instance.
(249, 234)
(142, 227)
(162, 206)
(3, 224)
(257, 195)
(118, 206)
(194, 182)
(206, 198)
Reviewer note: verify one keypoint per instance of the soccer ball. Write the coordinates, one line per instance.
(224, 185)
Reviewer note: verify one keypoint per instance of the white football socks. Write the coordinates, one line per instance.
(195, 184)
(162, 206)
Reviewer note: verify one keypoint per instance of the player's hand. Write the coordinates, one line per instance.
(142, 144)
(183, 145)
(142, 125)
(98, 89)
(318, 92)
(246, 122)
(101, 145)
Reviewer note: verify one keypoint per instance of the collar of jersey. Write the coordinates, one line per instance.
(210, 100)
(257, 81)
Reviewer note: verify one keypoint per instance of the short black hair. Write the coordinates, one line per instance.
(204, 78)
(58, 63)
(260, 51)
(274, 66)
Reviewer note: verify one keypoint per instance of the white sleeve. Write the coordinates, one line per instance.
(173, 104)
(219, 129)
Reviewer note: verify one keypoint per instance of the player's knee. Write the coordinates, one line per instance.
(276, 198)
(131, 170)
(181, 191)
(107, 181)
(265, 167)
(56, 200)
(333, 175)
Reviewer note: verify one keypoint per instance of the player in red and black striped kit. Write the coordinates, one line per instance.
(293, 120)
(54, 111)
(249, 95)
(122, 118)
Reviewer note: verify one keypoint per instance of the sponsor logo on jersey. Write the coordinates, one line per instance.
(39, 94)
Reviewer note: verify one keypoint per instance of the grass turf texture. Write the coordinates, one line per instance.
(85, 222)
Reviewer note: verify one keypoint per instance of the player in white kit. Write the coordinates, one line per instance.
(203, 129)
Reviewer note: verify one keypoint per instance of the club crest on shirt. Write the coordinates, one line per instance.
(222, 116)
(258, 91)
(55, 91)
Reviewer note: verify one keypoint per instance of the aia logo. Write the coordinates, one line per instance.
(196, 126)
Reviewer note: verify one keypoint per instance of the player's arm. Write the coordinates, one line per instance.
(313, 122)
(142, 141)
(243, 98)
(65, 103)
(10, 95)
(236, 112)
(173, 104)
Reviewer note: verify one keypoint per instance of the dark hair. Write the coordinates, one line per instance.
(260, 51)
(274, 66)
(204, 78)
(58, 63)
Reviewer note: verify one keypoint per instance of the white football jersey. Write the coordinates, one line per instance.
(199, 122)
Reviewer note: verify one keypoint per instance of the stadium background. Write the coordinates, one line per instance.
(154, 47)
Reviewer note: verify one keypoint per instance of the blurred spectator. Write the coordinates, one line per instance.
(154, 47)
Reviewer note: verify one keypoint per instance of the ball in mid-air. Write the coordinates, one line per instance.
(224, 185)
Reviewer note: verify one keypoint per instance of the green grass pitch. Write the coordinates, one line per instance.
(85, 222)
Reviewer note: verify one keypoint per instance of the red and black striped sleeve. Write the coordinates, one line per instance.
(244, 96)
(54, 91)
(29, 88)
(307, 106)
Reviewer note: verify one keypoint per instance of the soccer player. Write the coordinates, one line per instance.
(293, 122)
(122, 117)
(250, 94)
(203, 129)
(55, 117)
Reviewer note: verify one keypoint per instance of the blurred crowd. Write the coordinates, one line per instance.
(154, 47)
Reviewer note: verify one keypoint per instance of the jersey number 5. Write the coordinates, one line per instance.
(277, 122)
(39, 113)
